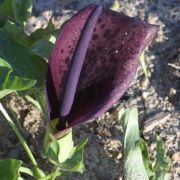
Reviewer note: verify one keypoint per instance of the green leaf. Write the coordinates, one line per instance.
(133, 159)
(26, 170)
(75, 163)
(6, 11)
(66, 146)
(62, 153)
(136, 157)
(58, 150)
(22, 10)
(134, 167)
(146, 158)
(45, 34)
(163, 162)
(1, 1)
(143, 64)
(17, 83)
(4, 63)
(42, 48)
(5, 92)
(9, 169)
(15, 10)
(23, 62)
(16, 33)
(131, 128)
(10, 83)
(52, 150)
(13, 84)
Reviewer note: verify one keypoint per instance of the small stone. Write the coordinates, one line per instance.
(145, 83)
(119, 156)
(145, 94)
(151, 106)
(120, 113)
(172, 91)
(176, 157)
(105, 132)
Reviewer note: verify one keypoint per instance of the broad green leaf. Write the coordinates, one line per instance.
(5, 92)
(15, 10)
(146, 158)
(163, 162)
(75, 163)
(52, 150)
(10, 83)
(9, 169)
(16, 83)
(22, 10)
(136, 157)
(16, 33)
(42, 48)
(58, 150)
(22, 61)
(6, 11)
(66, 146)
(131, 128)
(4, 73)
(143, 64)
(4, 63)
(134, 167)
(45, 34)
(39, 34)
(133, 159)
(26, 170)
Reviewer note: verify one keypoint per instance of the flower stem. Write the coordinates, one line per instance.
(38, 172)
(52, 176)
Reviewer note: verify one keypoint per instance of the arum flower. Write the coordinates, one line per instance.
(92, 64)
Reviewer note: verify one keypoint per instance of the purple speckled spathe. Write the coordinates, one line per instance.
(60, 59)
(108, 68)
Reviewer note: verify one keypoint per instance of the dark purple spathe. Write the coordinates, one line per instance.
(88, 72)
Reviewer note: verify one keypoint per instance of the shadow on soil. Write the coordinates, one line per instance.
(166, 75)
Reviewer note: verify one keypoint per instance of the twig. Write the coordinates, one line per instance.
(174, 66)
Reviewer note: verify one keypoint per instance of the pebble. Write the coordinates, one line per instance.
(176, 157)
(145, 94)
(119, 156)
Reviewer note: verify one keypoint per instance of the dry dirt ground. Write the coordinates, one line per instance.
(157, 99)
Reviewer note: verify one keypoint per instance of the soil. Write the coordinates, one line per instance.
(157, 98)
